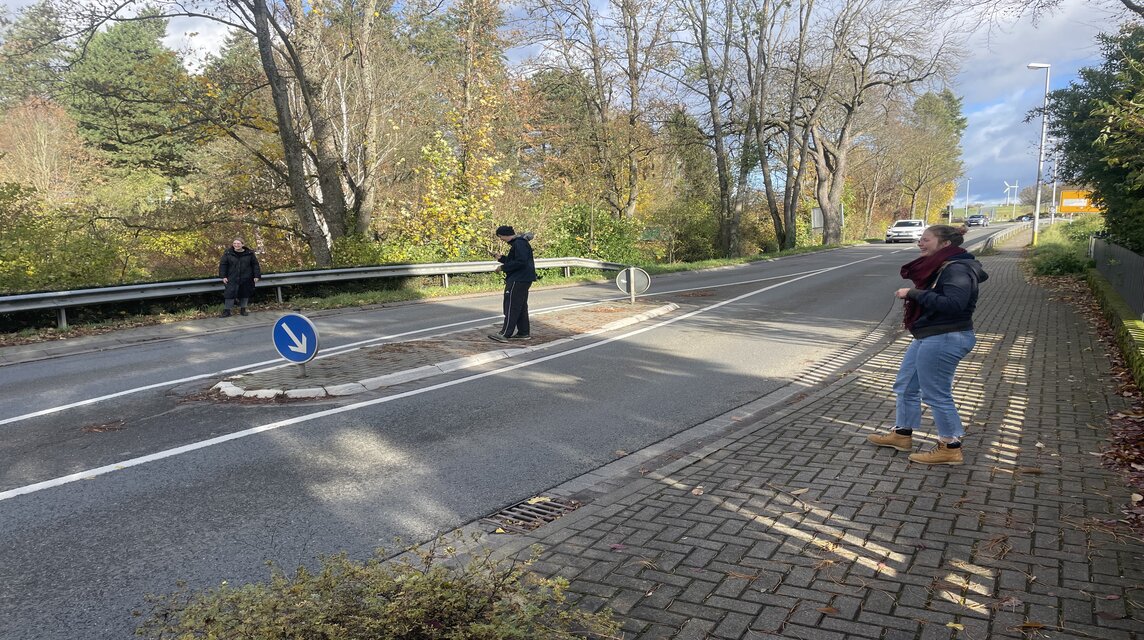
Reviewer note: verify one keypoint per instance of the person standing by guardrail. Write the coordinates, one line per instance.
(519, 273)
(239, 271)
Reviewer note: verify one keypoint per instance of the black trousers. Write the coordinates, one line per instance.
(515, 309)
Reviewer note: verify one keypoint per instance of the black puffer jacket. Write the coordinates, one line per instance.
(517, 264)
(948, 304)
(240, 269)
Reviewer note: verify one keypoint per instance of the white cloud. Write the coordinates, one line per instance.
(195, 38)
(999, 90)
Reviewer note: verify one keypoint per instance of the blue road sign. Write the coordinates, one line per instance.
(296, 338)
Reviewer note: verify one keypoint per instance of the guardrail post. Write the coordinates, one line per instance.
(445, 280)
(567, 272)
(278, 290)
(61, 318)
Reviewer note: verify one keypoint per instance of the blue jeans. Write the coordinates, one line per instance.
(926, 374)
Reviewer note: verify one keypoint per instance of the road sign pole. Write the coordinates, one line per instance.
(632, 283)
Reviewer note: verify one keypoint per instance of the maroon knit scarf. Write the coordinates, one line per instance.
(921, 272)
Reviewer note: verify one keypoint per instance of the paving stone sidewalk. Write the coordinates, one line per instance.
(795, 527)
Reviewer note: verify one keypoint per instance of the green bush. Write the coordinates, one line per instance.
(1058, 260)
(46, 249)
(1061, 251)
(1080, 229)
(431, 596)
(587, 232)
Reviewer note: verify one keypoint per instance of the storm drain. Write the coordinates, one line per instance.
(530, 514)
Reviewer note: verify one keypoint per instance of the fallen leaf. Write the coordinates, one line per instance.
(799, 492)
(827, 610)
(618, 547)
(1031, 625)
(954, 625)
(1112, 596)
(538, 500)
(697, 491)
(1040, 445)
(1136, 497)
(1009, 601)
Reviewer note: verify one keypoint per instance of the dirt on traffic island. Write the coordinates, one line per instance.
(338, 374)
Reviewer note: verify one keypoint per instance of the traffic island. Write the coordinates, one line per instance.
(385, 365)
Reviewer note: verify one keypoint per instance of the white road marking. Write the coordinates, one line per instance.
(333, 351)
(159, 455)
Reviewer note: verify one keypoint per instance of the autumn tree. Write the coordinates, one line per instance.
(327, 83)
(781, 142)
(931, 149)
(877, 49)
(610, 59)
(40, 148)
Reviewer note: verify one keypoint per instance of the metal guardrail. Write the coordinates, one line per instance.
(60, 301)
(1003, 235)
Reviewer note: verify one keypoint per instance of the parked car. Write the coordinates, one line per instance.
(977, 220)
(905, 231)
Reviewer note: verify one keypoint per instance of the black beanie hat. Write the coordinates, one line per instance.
(505, 230)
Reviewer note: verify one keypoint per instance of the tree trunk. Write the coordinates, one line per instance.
(317, 232)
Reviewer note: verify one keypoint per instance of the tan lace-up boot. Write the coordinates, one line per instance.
(941, 454)
(893, 439)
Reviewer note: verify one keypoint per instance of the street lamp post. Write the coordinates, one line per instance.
(1041, 153)
(1053, 202)
(967, 179)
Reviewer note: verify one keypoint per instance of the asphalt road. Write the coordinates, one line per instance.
(77, 558)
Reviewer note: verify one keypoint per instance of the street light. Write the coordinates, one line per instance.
(1053, 202)
(967, 179)
(1041, 154)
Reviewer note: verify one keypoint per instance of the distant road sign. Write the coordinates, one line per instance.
(1077, 202)
(296, 338)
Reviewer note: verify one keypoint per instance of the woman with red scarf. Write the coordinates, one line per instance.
(939, 314)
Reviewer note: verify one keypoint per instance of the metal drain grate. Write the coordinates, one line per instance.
(530, 514)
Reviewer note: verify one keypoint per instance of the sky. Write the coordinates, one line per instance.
(997, 88)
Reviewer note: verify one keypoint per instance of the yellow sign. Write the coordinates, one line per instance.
(1077, 202)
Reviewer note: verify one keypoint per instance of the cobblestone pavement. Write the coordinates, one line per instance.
(795, 527)
(373, 367)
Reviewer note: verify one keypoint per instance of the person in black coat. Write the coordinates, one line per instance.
(519, 273)
(239, 271)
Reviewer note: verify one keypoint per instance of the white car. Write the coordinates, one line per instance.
(905, 231)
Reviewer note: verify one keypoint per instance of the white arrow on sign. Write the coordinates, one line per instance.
(299, 346)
